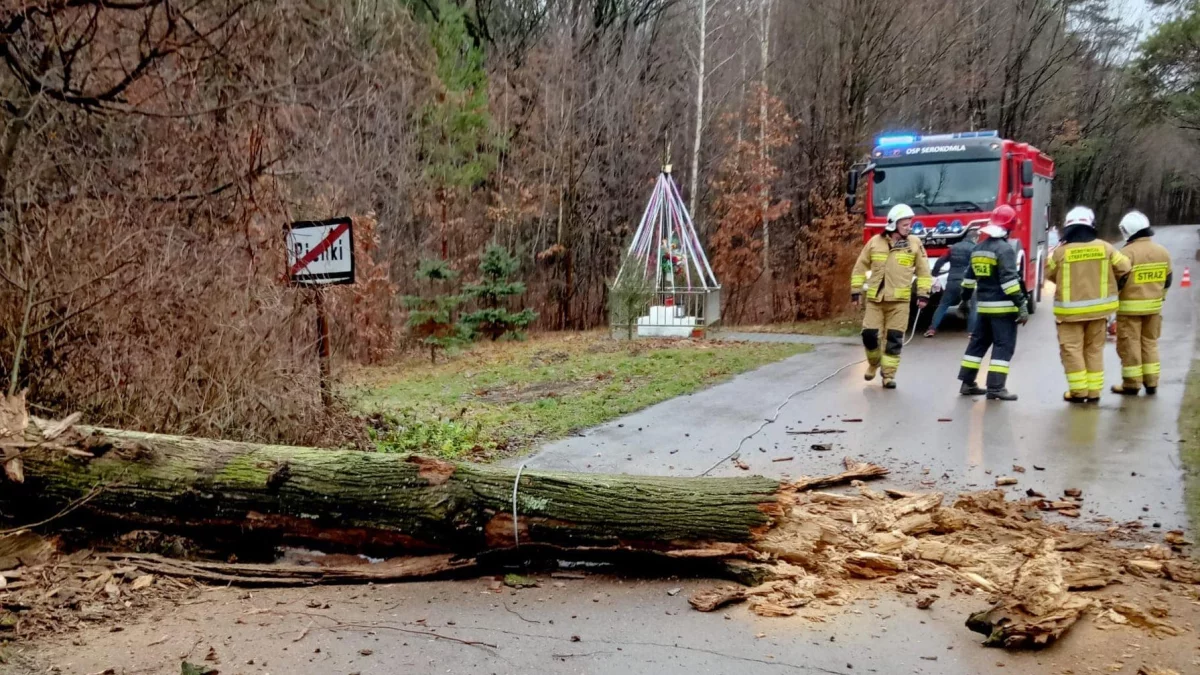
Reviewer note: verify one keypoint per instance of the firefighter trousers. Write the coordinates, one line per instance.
(1081, 348)
(999, 333)
(888, 320)
(1137, 345)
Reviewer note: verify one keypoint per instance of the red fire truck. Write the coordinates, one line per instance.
(953, 181)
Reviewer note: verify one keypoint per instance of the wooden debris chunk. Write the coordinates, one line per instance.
(1088, 576)
(712, 599)
(1183, 571)
(1176, 538)
(1073, 492)
(855, 470)
(816, 432)
(1144, 568)
(870, 565)
(767, 608)
(1155, 670)
(926, 601)
(1018, 468)
(1142, 619)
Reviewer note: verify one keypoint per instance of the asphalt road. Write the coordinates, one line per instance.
(1122, 453)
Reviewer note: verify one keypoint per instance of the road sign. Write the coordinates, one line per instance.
(320, 252)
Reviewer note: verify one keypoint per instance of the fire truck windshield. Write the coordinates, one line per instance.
(937, 187)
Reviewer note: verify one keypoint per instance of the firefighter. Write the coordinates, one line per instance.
(1088, 274)
(891, 260)
(1001, 306)
(1139, 313)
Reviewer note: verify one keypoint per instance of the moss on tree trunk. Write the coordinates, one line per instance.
(383, 501)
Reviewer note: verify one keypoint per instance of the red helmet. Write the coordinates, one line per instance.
(1002, 220)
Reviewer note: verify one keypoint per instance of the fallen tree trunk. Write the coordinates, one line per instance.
(381, 501)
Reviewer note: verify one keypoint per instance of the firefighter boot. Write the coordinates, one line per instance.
(971, 389)
(1000, 395)
(1150, 391)
(889, 382)
(1126, 391)
(870, 338)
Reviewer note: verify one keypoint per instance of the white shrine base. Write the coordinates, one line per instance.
(662, 322)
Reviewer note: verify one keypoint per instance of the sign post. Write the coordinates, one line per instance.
(321, 253)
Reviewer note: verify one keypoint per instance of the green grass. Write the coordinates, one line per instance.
(499, 399)
(1189, 444)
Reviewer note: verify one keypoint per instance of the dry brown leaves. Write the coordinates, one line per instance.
(43, 592)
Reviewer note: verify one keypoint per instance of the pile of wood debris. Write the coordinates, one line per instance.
(45, 592)
(833, 548)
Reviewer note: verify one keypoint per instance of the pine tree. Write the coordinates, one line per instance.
(629, 296)
(431, 316)
(457, 143)
(493, 319)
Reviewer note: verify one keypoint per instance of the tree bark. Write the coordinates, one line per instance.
(376, 501)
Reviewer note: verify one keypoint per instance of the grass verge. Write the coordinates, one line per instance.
(840, 326)
(1189, 444)
(498, 399)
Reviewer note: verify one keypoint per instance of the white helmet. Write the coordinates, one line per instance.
(1081, 215)
(899, 212)
(1132, 223)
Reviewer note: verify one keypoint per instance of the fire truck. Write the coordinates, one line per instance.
(954, 181)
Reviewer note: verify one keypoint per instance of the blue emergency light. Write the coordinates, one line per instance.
(909, 139)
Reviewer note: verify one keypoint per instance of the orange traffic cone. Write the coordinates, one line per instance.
(1186, 281)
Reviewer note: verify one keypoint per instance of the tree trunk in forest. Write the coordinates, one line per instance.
(700, 75)
(765, 45)
(376, 501)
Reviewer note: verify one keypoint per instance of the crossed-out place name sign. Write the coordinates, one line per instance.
(320, 252)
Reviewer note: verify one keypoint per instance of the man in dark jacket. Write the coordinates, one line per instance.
(993, 277)
(959, 259)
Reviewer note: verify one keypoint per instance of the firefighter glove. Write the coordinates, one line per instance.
(1023, 313)
(922, 303)
(962, 310)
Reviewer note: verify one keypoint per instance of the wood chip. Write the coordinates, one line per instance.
(783, 459)
(870, 565)
(741, 465)
(1018, 468)
(1073, 492)
(1005, 480)
(712, 599)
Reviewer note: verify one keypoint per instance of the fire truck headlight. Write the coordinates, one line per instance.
(942, 227)
(956, 227)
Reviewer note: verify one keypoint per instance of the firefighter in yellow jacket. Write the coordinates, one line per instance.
(1139, 314)
(1087, 273)
(890, 260)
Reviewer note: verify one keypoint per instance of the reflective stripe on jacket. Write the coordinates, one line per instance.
(1085, 277)
(1148, 281)
(993, 271)
(892, 269)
